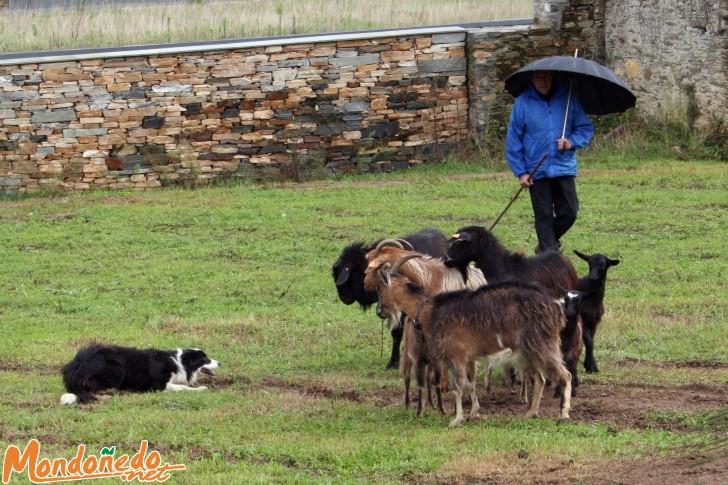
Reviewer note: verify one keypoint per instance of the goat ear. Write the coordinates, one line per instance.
(343, 276)
(612, 262)
(384, 276)
(581, 255)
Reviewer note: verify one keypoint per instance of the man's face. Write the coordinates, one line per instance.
(542, 81)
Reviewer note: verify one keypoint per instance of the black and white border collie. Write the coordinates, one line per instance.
(100, 367)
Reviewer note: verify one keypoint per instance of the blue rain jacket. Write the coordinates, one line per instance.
(535, 126)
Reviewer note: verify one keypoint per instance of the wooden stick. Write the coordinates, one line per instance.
(530, 176)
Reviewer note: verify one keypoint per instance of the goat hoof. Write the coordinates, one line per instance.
(393, 364)
(531, 415)
(564, 420)
(455, 423)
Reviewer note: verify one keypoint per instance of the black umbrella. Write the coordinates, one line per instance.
(599, 90)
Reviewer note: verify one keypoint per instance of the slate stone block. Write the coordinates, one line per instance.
(442, 65)
(329, 129)
(151, 149)
(53, 116)
(8, 145)
(231, 113)
(153, 122)
(134, 94)
(192, 109)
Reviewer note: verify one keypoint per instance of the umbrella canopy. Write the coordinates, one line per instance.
(599, 90)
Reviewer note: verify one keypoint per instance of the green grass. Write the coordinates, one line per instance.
(243, 271)
(25, 31)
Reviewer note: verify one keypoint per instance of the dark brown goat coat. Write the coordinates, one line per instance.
(514, 319)
(551, 269)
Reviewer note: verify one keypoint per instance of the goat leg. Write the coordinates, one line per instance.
(538, 384)
(429, 375)
(524, 389)
(565, 400)
(474, 404)
(458, 384)
(590, 364)
(397, 333)
(421, 377)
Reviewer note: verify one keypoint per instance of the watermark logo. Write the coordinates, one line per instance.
(144, 465)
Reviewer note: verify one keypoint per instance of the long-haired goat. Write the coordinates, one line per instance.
(593, 309)
(348, 273)
(551, 269)
(517, 321)
(435, 277)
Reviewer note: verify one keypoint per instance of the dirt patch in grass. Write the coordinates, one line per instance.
(675, 364)
(29, 369)
(686, 469)
(622, 406)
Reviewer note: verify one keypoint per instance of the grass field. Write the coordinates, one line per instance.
(243, 271)
(102, 27)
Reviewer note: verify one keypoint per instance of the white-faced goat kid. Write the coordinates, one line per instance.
(348, 273)
(514, 320)
(435, 277)
(571, 335)
(593, 309)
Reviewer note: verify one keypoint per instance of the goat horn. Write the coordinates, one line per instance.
(403, 260)
(389, 242)
(404, 242)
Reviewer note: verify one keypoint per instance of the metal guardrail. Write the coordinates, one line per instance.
(173, 48)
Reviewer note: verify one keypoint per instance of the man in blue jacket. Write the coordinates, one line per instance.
(535, 129)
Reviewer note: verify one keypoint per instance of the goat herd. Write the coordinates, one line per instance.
(530, 315)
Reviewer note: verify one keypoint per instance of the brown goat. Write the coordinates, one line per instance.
(432, 274)
(519, 322)
(426, 271)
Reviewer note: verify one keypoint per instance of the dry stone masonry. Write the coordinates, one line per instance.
(138, 122)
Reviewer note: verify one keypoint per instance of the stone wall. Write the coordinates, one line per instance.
(674, 54)
(138, 122)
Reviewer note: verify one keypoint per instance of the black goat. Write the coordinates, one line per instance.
(592, 310)
(475, 243)
(571, 335)
(551, 269)
(348, 272)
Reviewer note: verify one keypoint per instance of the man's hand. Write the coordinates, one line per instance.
(563, 144)
(525, 180)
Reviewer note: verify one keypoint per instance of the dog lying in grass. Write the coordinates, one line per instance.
(99, 367)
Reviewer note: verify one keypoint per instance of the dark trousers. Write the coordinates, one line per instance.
(555, 206)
